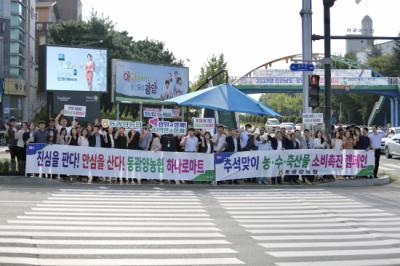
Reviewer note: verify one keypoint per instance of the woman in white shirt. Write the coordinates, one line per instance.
(83, 138)
(318, 140)
(337, 143)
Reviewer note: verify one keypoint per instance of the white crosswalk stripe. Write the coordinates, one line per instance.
(314, 227)
(112, 227)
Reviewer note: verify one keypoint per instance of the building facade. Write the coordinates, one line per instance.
(19, 95)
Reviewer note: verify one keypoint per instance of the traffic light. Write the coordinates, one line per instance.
(313, 93)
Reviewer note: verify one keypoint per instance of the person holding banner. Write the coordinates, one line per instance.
(190, 143)
(219, 139)
(207, 146)
(233, 142)
(307, 143)
(62, 122)
(121, 140)
(109, 141)
(133, 139)
(96, 139)
(83, 138)
(145, 139)
(73, 138)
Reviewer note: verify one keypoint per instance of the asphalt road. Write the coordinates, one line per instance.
(50, 223)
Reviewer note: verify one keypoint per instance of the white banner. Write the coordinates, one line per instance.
(162, 113)
(205, 124)
(121, 123)
(74, 110)
(87, 161)
(167, 127)
(313, 118)
(293, 162)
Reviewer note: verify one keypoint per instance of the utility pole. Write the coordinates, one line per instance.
(306, 17)
(327, 50)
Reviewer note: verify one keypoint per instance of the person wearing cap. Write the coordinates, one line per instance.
(11, 130)
(41, 134)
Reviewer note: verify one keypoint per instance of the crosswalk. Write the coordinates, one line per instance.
(116, 227)
(389, 166)
(307, 227)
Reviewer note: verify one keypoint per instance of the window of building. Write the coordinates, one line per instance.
(17, 35)
(17, 22)
(16, 72)
(17, 9)
(17, 60)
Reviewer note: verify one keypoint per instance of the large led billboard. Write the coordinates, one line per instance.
(133, 81)
(76, 69)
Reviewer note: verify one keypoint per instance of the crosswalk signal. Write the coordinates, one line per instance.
(313, 92)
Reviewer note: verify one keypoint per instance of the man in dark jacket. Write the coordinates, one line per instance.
(96, 139)
(233, 142)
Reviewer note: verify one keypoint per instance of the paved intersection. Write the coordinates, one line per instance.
(183, 226)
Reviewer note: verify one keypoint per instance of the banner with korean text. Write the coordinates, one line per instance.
(241, 165)
(87, 161)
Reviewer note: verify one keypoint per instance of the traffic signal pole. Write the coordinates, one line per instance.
(306, 17)
(327, 63)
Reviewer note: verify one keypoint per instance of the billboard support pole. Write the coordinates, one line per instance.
(162, 112)
(117, 111)
(141, 112)
(183, 113)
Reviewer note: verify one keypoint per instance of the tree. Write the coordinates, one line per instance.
(118, 43)
(288, 105)
(213, 66)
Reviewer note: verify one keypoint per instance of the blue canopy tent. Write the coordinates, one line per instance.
(223, 97)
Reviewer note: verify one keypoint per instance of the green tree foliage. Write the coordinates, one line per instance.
(99, 31)
(213, 65)
(289, 105)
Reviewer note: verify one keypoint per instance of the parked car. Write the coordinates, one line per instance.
(272, 124)
(288, 125)
(392, 132)
(392, 146)
(299, 127)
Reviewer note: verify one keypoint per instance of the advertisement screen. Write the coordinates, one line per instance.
(76, 69)
(134, 80)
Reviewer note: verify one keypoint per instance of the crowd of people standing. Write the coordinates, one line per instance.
(59, 131)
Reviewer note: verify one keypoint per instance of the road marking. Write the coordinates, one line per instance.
(119, 199)
(369, 262)
(147, 223)
(119, 242)
(326, 253)
(119, 251)
(335, 230)
(298, 207)
(104, 228)
(123, 203)
(392, 166)
(308, 211)
(119, 214)
(386, 168)
(114, 218)
(134, 209)
(330, 244)
(106, 234)
(120, 262)
(125, 196)
(289, 216)
(317, 237)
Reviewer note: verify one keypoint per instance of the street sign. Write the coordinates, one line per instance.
(313, 118)
(302, 67)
